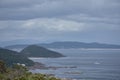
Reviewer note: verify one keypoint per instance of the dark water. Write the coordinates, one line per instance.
(84, 64)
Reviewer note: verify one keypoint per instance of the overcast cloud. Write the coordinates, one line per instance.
(60, 20)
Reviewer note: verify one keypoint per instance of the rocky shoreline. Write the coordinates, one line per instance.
(37, 65)
(43, 66)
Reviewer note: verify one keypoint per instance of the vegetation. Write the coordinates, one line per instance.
(19, 72)
(12, 57)
(2, 67)
(13, 66)
(37, 51)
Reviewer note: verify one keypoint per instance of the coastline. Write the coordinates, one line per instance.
(43, 66)
(37, 65)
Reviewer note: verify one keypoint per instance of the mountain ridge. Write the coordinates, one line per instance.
(69, 44)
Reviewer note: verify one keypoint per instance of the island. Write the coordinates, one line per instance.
(38, 51)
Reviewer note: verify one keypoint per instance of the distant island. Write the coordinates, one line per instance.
(68, 45)
(37, 51)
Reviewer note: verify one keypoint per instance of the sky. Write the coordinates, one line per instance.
(60, 20)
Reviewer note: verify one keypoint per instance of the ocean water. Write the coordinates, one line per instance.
(83, 64)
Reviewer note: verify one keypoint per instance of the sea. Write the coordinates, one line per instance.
(83, 64)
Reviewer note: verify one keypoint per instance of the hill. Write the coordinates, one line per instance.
(37, 51)
(11, 57)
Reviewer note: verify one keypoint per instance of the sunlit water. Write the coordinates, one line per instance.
(84, 64)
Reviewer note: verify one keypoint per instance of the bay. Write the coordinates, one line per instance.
(83, 64)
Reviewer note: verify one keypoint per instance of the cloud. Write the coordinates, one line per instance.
(92, 19)
(54, 24)
(24, 9)
(19, 3)
(44, 27)
(43, 24)
(86, 20)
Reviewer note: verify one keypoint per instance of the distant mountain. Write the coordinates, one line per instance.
(68, 45)
(18, 41)
(17, 48)
(37, 51)
(12, 57)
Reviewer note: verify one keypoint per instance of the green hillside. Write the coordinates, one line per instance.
(12, 57)
(19, 72)
(37, 51)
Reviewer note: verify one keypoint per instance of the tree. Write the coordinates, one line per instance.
(2, 67)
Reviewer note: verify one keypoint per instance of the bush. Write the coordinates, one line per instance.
(19, 72)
